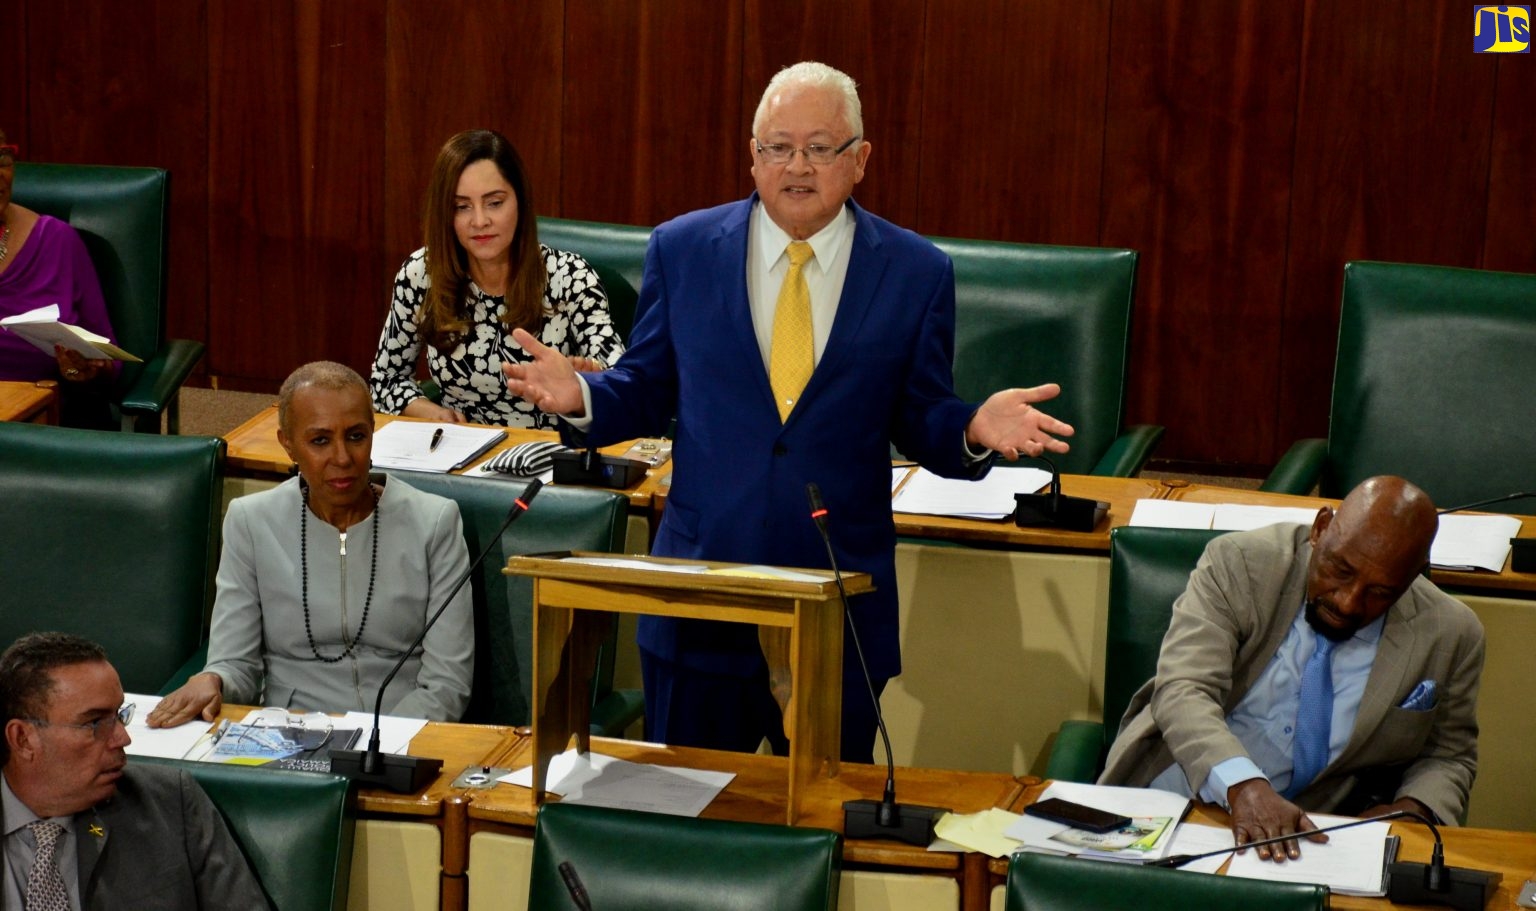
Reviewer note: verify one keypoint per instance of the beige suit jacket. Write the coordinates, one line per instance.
(1242, 597)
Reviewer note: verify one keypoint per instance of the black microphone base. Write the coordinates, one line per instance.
(1465, 890)
(914, 824)
(1070, 513)
(401, 774)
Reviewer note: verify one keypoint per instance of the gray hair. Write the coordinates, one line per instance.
(321, 374)
(809, 73)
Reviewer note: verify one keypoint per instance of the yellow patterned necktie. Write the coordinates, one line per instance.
(792, 352)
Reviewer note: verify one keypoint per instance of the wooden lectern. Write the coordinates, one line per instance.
(575, 598)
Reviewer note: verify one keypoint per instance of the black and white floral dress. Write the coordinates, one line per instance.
(576, 322)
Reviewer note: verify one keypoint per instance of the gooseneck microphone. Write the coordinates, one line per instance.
(1518, 495)
(406, 774)
(1433, 883)
(883, 818)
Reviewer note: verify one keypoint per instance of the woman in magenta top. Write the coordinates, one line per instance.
(42, 262)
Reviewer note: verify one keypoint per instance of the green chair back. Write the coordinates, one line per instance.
(112, 536)
(294, 829)
(1042, 882)
(1148, 569)
(632, 861)
(561, 518)
(1028, 314)
(616, 252)
(121, 215)
(1431, 383)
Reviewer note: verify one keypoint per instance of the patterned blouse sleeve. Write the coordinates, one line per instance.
(574, 289)
(394, 366)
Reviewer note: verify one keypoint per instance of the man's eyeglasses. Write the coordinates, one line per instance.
(816, 153)
(102, 728)
(8, 155)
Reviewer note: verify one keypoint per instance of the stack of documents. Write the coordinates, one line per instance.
(1352, 861)
(42, 328)
(1154, 817)
(989, 498)
(196, 740)
(604, 781)
(408, 446)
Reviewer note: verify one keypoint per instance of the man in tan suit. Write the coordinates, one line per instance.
(1313, 669)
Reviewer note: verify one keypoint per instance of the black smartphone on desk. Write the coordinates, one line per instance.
(1054, 809)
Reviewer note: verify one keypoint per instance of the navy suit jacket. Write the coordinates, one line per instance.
(739, 475)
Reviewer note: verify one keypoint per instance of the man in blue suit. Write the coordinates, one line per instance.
(765, 404)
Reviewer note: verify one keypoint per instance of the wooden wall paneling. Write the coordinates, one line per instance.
(13, 50)
(1392, 159)
(94, 101)
(877, 42)
(476, 64)
(1509, 240)
(296, 185)
(1198, 137)
(652, 109)
(1012, 120)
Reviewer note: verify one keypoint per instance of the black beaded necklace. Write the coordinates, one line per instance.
(373, 570)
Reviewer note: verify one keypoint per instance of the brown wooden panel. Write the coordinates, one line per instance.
(877, 42)
(296, 179)
(13, 50)
(476, 64)
(1510, 238)
(1013, 119)
(1197, 149)
(1392, 155)
(96, 103)
(652, 125)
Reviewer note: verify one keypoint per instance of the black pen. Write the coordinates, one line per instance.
(437, 437)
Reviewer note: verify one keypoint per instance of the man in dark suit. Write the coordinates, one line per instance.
(1226, 716)
(81, 829)
(794, 336)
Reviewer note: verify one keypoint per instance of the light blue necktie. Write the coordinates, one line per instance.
(1314, 717)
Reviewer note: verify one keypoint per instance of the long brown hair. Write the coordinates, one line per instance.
(444, 317)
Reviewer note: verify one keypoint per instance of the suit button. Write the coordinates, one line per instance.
(780, 449)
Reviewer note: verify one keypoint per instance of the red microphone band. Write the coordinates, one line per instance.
(520, 504)
(817, 514)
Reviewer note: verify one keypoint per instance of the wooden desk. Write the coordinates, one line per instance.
(501, 825)
(412, 850)
(255, 452)
(1120, 493)
(29, 402)
(1511, 853)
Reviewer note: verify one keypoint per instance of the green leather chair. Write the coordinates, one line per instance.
(1028, 314)
(632, 861)
(1148, 569)
(112, 536)
(293, 827)
(616, 252)
(1432, 382)
(120, 213)
(1044, 882)
(562, 518)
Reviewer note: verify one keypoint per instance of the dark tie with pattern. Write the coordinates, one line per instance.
(45, 885)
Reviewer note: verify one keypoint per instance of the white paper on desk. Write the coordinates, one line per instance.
(606, 781)
(1352, 861)
(1137, 803)
(1172, 514)
(407, 445)
(395, 733)
(990, 497)
(171, 743)
(637, 563)
(1242, 517)
(898, 475)
(1473, 542)
(1197, 839)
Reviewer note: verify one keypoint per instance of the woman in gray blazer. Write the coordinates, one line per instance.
(326, 579)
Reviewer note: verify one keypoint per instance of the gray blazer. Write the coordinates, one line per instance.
(1242, 597)
(160, 843)
(258, 645)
